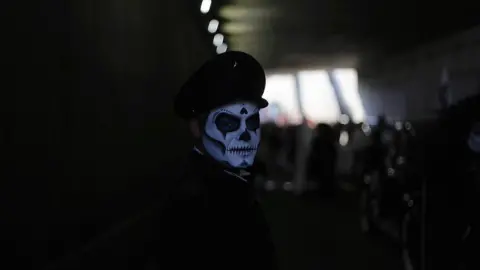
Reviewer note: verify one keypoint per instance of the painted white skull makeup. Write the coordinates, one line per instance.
(232, 134)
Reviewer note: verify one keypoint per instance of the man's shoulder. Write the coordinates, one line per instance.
(187, 192)
(190, 182)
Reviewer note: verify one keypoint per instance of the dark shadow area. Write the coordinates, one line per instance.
(88, 133)
(90, 148)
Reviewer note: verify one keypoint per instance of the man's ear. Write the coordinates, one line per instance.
(195, 128)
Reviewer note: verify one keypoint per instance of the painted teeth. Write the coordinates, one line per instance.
(242, 149)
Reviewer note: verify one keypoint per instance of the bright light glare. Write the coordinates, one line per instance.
(318, 97)
(344, 119)
(366, 129)
(222, 48)
(205, 7)
(218, 40)
(280, 90)
(213, 26)
(348, 82)
(344, 138)
(398, 125)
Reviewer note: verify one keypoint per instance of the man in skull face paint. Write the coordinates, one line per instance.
(232, 134)
(214, 220)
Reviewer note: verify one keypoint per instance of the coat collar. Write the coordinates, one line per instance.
(240, 174)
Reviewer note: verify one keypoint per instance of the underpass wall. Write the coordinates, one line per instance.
(405, 86)
(88, 134)
(142, 52)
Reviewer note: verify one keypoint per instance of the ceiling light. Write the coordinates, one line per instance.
(205, 7)
(213, 26)
(218, 39)
(222, 48)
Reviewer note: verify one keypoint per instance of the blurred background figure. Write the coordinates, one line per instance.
(378, 149)
(322, 159)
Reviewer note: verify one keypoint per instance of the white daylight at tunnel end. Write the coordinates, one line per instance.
(280, 92)
(348, 83)
(318, 99)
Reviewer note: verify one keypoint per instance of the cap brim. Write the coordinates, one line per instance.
(261, 102)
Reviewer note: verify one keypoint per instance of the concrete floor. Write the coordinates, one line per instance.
(311, 233)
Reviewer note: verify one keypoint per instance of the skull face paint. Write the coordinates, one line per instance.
(232, 134)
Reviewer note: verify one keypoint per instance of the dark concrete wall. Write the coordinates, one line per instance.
(88, 134)
(406, 86)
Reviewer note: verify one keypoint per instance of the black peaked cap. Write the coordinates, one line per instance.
(229, 77)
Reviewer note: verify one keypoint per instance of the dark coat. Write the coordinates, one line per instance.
(212, 221)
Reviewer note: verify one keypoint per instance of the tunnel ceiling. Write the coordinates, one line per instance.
(288, 33)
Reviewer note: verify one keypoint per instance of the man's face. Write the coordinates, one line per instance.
(232, 134)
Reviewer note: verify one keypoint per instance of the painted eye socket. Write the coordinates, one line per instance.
(253, 122)
(227, 123)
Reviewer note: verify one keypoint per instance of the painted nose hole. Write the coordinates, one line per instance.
(245, 136)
